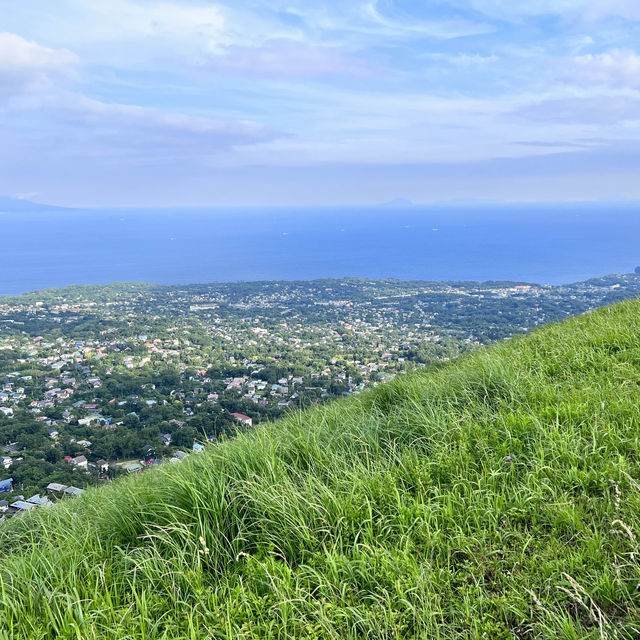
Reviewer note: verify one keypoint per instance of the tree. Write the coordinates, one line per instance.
(184, 437)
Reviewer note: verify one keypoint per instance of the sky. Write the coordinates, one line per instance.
(292, 102)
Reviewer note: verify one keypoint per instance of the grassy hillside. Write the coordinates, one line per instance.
(497, 497)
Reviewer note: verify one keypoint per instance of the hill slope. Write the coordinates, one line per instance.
(496, 497)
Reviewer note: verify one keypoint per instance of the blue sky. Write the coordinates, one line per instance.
(132, 102)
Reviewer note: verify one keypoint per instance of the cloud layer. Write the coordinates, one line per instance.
(36, 84)
(112, 101)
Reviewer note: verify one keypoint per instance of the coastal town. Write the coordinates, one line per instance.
(99, 382)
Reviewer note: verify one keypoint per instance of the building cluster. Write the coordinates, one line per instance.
(18, 504)
(79, 363)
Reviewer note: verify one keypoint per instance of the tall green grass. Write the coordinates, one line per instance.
(496, 497)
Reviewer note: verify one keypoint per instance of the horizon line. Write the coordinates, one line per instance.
(396, 203)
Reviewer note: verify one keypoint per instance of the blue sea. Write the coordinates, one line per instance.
(545, 244)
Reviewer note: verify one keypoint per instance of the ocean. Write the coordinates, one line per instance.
(549, 244)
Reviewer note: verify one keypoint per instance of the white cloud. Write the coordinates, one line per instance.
(123, 33)
(35, 96)
(28, 66)
(91, 126)
(461, 59)
(119, 19)
(172, 35)
(581, 9)
(597, 9)
(287, 58)
(371, 128)
(175, 130)
(615, 68)
(397, 24)
(19, 55)
(597, 110)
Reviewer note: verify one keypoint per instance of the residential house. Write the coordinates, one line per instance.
(54, 488)
(73, 492)
(80, 462)
(278, 389)
(20, 506)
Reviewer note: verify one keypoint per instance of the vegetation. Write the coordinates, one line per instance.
(497, 496)
(134, 373)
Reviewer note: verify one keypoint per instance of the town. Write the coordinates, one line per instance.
(102, 381)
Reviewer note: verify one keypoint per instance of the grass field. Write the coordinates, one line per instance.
(495, 497)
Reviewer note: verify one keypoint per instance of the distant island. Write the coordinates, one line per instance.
(18, 205)
(398, 202)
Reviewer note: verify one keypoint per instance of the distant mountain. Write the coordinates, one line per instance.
(398, 202)
(16, 205)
